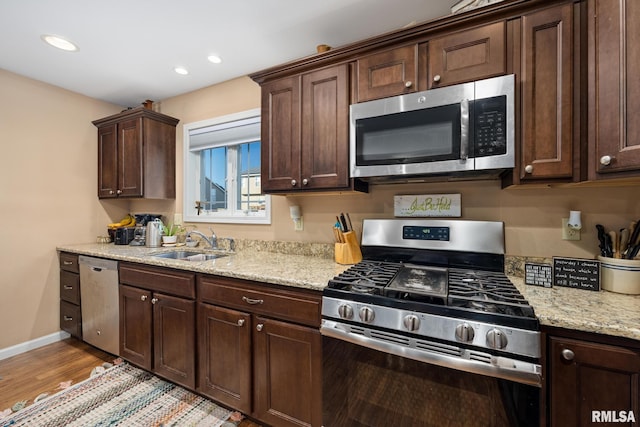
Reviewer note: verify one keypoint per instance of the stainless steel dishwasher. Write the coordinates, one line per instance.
(99, 303)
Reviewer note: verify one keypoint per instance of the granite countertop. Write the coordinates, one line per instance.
(268, 267)
(600, 312)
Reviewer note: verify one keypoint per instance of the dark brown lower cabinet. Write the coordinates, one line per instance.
(260, 350)
(157, 330)
(591, 381)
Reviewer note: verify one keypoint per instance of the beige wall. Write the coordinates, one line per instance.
(48, 196)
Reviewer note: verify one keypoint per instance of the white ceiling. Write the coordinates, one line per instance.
(129, 48)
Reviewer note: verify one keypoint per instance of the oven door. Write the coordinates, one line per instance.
(367, 387)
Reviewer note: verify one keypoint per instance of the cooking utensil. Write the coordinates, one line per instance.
(608, 245)
(349, 222)
(614, 244)
(602, 240)
(634, 239)
(343, 222)
(624, 241)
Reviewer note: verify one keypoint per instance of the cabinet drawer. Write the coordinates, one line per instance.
(69, 262)
(70, 287)
(70, 319)
(292, 305)
(159, 279)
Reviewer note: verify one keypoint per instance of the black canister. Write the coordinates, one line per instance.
(124, 235)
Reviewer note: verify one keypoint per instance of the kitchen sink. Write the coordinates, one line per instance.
(189, 255)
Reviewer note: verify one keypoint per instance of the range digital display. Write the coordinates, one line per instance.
(412, 232)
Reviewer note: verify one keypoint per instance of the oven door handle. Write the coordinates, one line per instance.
(495, 366)
(464, 129)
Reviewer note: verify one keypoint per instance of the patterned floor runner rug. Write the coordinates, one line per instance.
(122, 395)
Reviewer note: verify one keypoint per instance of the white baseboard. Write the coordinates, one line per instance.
(33, 344)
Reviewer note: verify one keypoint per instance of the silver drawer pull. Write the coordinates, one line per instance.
(67, 262)
(259, 327)
(68, 287)
(240, 322)
(68, 318)
(143, 298)
(252, 301)
(154, 300)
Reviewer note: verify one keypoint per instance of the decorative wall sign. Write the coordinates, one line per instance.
(538, 274)
(427, 205)
(576, 273)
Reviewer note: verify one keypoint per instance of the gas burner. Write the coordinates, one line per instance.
(360, 289)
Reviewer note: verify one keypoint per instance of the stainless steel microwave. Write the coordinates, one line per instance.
(450, 130)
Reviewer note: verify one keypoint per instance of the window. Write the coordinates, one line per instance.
(222, 170)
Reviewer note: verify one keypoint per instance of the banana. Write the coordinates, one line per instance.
(127, 221)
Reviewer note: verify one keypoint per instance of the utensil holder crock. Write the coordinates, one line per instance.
(620, 275)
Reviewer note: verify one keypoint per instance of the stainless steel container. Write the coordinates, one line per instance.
(154, 234)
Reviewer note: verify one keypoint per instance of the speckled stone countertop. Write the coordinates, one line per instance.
(302, 271)
(600, 312)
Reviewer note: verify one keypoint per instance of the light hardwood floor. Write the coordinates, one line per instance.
(27, 375)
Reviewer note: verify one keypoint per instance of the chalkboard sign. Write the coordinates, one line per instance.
(576, 273)
(538, 274)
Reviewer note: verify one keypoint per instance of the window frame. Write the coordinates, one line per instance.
(191, 174)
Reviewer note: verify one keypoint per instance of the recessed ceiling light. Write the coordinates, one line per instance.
(215, 59)
(59, 42)
(181, 70)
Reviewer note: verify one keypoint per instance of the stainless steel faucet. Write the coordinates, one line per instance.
(212, 241)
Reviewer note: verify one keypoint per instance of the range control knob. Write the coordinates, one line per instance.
(345, 311)
(366, 314)
(465, 332)
(496, 339)
(411, 322)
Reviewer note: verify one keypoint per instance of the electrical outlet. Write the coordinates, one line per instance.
(298, 225)
(569, 233)
(177, 218)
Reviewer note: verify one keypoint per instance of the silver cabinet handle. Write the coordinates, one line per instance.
(293, 182)
(68, 287)
(567, 354)
(252, 301)
(67, 262)
(154, 300)
(111, 192)
(464, 129)
(436, 78)
(305, 181)
(528, 169)
(119, 191)
(408, 84)
(240, 322)
(259, 327)
(68, 318)
(143, 298)
(605, 160)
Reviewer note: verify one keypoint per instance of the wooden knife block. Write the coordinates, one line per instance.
(348, 252)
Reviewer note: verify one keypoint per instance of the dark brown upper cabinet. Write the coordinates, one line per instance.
(614, 88)
(137, 155)
(544, 58)
(388, 73)
(465, 56)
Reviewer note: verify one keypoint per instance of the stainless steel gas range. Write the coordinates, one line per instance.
(429, 321)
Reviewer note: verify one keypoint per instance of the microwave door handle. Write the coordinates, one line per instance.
(464, 129)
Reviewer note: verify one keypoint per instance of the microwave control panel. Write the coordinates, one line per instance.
(490, 126)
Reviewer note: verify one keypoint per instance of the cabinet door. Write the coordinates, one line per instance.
(614, 88)
(107, 161)
(136, 327)
(174, 339)
(586, 377)
(130, 167)
(546, 78)
(388, 73)
(288, 373)
(224, 354)
(280, 145)
(469, 55)
(325, 128)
